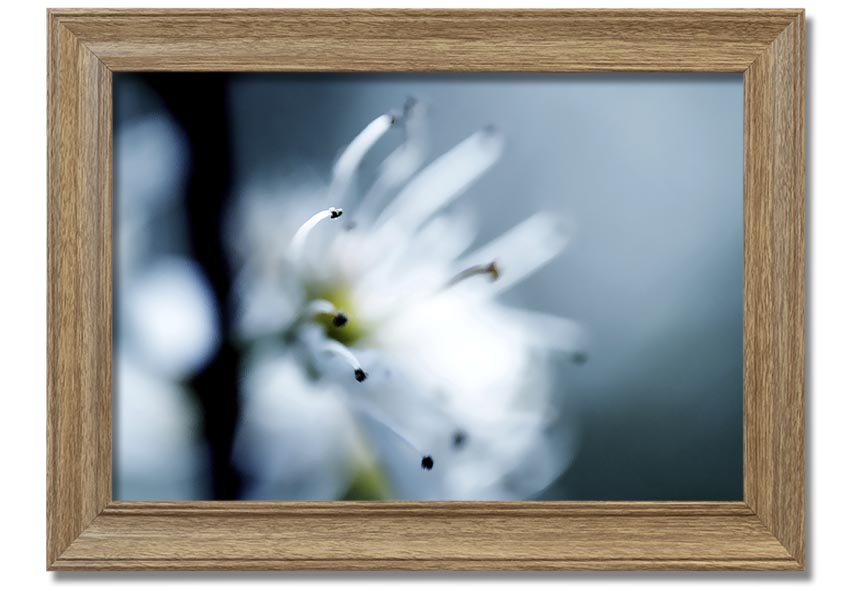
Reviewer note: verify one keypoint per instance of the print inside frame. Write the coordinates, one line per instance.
(764, 531)
(585, 343)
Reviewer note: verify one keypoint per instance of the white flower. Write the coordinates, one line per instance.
(378, 343)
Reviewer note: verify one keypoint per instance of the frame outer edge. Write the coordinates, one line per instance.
(774, 483)
(79, 284)
(78, 471)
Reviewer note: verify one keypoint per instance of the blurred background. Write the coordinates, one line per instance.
(647, 169)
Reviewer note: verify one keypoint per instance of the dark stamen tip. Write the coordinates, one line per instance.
(360, 375)
(340, 319)
(336, 213)
(427, 463)
(458, 439)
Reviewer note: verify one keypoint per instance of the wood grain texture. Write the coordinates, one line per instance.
(774, 288)
(426, 535)
(79, 229)
(425, 40)
(87, 531)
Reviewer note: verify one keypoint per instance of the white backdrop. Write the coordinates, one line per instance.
(22, 362)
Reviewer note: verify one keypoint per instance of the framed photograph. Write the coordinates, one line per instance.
(420, 289)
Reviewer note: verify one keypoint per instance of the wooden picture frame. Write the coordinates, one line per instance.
(87, 530)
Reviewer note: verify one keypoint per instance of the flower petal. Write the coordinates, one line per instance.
(520, 251)
(546, 331)
(442, 181)
(347, 163)
(399, 166)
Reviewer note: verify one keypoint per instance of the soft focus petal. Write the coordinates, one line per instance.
(350, 159)
(442, 181)
(541, 330)
(150, 161)
(149, 169)
(295, 438)
(400, 165)
(506, 450)
(170, 316)
(157, 451)
(522, 250)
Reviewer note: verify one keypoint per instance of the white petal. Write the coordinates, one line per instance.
(171, 317)
(295, 438)
(157, 453)
(545, 330)
(296, 247)
(442, 181)
(150, 163)
(399, 166)
(338, 349)
(520, 251)
(321, 307)
(418, 268)
(350, 159)
(371, 411)
(444, 238)
(150, 157)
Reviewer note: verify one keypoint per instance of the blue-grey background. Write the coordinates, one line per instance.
(649, 170)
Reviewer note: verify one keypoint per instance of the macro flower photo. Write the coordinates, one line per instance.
(427, 287)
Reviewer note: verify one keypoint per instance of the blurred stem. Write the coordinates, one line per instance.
(369, 483)
(199, 103)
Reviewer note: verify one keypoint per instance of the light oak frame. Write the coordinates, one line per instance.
(87, 530)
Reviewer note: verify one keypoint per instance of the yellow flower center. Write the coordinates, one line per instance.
(354, 329)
